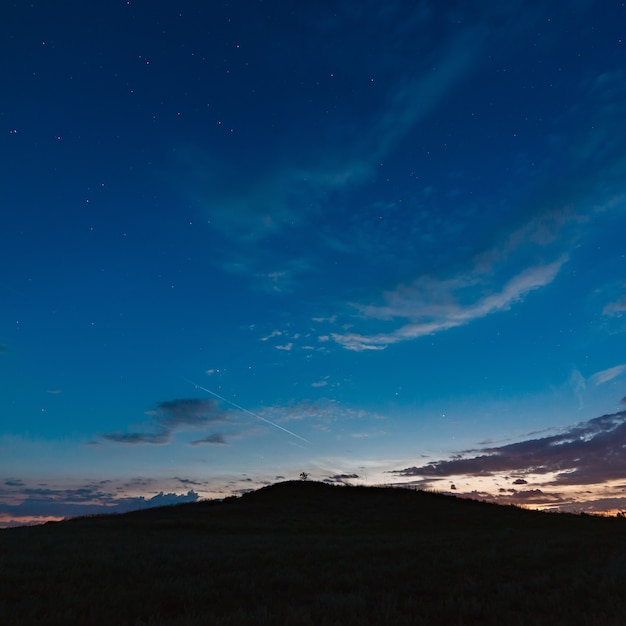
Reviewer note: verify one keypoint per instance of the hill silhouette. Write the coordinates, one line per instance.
(303, 552)
(316, 503)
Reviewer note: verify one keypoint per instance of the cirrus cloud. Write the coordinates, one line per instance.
(435, 305)
(599, 378)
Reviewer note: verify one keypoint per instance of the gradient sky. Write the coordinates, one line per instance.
(381, 242)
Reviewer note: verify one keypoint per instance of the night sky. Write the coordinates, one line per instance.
(378, 242)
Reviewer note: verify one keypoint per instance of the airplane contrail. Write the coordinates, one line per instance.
(241, 408)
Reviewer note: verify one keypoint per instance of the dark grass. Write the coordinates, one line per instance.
(310, 553)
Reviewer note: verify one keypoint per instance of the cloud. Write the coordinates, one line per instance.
(416, 96)
(599, 378)
(215, 439)
(321, 410)
(578, 385)
(287, 189)
(163, 436)
(160, 499)
(13, 482)
(187, 481)
(524, 497)
(435, 305)
(616, 308)
(341, 478)
(171, 416)
(493, 281)
(187, 412)
(287, 338)
(588, 453)
(614, 312)
(44, 503)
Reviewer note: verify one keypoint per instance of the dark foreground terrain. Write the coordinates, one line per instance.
(310, 553)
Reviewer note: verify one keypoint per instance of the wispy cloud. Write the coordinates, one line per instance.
(320, 411)
(319, 383)
(492, 280)
(578, 385)
(213, 439)
(616, 308)
(435, 305)
(283, 192)
(160, 437)
(599, 378)
(188, 481)
(274, 333)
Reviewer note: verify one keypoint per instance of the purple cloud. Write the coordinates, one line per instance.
(588, 453)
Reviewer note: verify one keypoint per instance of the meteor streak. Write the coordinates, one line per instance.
(241, 408)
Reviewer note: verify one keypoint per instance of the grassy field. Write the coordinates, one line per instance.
(310, 553)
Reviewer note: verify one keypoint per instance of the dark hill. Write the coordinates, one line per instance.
(292, 503)
(312, 553)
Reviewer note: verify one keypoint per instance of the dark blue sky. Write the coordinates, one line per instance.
(244, 240)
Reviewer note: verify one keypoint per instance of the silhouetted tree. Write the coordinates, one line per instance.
(304, 476)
